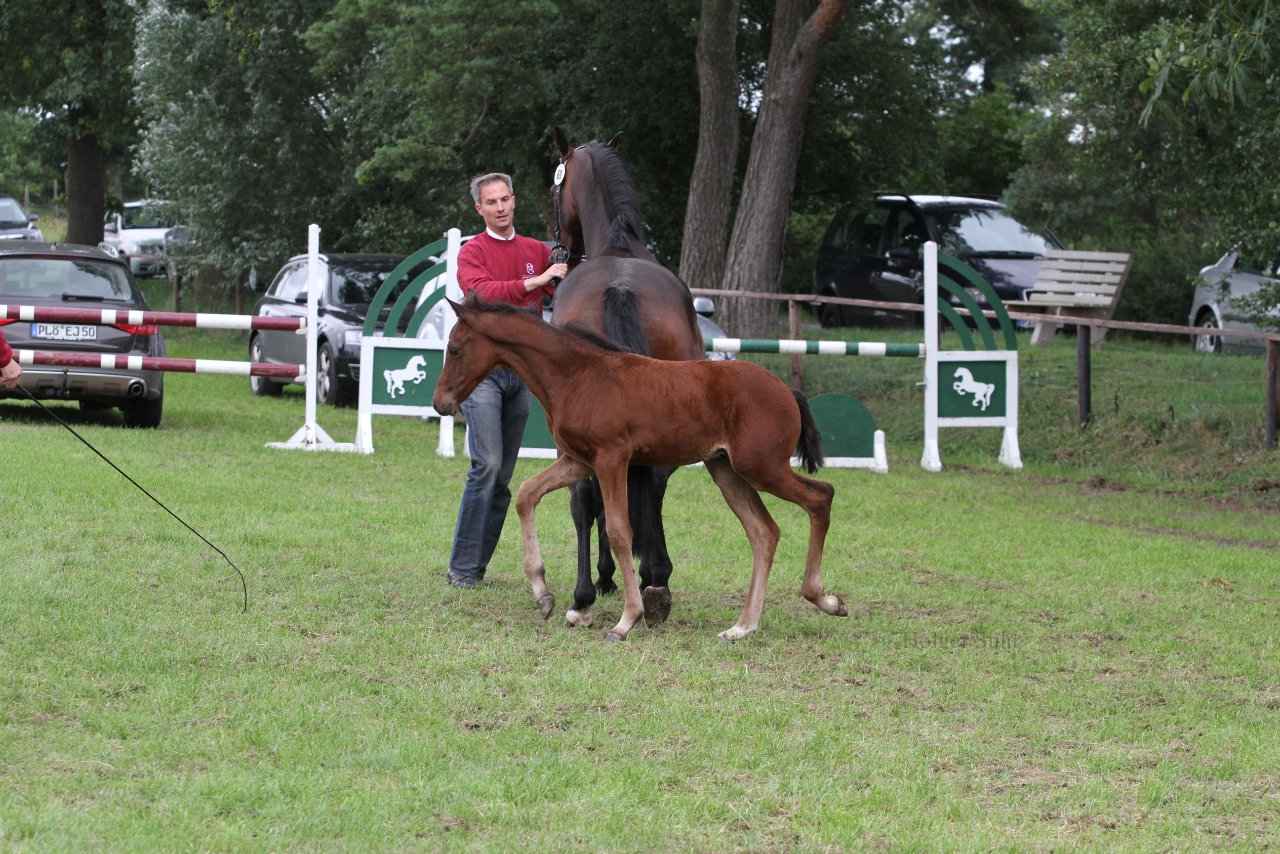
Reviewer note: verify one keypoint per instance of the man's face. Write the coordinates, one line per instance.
(497, 206)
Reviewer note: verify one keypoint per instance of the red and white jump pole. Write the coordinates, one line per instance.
(297, 373)
(111, 317)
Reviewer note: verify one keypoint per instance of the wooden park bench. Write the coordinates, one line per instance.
(1075, 284)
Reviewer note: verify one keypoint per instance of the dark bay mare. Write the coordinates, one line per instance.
(616, 288)
(609, 409)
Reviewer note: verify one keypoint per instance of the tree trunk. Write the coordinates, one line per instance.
(754, 261)
(86, 204)
(706, 215)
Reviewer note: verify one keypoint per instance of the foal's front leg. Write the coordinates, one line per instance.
(613, 486)
(564, 471)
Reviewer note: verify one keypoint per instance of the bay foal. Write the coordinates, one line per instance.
(608, 409)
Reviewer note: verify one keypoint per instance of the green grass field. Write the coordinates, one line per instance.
(1081, 654)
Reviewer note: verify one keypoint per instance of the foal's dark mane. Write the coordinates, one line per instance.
(612, 171)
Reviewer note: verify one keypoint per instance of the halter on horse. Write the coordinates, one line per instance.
(609, 409)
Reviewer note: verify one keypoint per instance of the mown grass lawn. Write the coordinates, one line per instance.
(1082, 654)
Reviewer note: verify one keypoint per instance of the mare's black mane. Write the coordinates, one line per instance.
(612, 170)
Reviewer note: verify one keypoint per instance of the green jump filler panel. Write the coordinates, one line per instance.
(976, 386)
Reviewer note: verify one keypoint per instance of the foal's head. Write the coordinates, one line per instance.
(470, 355)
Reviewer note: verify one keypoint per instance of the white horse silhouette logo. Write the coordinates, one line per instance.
(966, 384)
(412, 372)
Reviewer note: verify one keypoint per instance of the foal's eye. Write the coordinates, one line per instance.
(453, 351)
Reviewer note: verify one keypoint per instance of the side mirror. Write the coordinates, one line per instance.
(704, 306)
(33, 218)
(110, 226)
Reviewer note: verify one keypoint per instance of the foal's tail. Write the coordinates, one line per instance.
(809, 448)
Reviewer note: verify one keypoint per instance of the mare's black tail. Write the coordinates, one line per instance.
(622, 326)
(622, 319)
(809, 448)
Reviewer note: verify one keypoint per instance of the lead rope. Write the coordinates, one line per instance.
(243, 584)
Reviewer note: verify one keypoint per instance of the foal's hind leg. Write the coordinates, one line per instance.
(561, 473)
(762, 533)
(815, 497)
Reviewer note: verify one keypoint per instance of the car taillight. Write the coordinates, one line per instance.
(137, 328)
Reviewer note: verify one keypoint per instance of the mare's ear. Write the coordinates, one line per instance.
(561, 141)
(613, 143)
(457, 307)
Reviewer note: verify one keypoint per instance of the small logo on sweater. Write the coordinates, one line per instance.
(528, 269)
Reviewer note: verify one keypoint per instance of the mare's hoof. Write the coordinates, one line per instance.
(613, 637)
(546, 605)
(582, 619)
(841, 610)
(657, 605)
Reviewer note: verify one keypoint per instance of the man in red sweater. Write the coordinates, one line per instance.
(10, 370)
(498, 265)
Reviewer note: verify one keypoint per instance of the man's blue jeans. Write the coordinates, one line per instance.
(496, 413)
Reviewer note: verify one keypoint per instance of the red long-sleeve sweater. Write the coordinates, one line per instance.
(496, 269)
(6, 355)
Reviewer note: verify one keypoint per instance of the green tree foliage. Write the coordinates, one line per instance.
(239, 130)
(1214, 74)
(70, 64)
(1099, 177)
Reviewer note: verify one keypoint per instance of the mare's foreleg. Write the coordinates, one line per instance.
(762, 534)
(655, 564)
(564, 471)
(585, 506)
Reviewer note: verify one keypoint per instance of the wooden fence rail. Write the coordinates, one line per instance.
(1084, 326)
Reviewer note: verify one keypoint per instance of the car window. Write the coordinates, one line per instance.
(838, 232)
(357, 286)
(868, 231)
(982, 230)
(289, 283)
(55, 278)
(904, 231)
(149, 216)
(11, 214)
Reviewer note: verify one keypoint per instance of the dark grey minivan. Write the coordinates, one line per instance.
(872, 251)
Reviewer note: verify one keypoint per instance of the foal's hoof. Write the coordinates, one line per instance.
(546, 605)
(613, 637)
(606, 588)
(657, 605)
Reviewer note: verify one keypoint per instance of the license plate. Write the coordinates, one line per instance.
(65, 331)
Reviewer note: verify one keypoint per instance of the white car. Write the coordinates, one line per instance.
(138, 232)
(1231, 278)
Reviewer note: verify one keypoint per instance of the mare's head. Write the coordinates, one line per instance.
(470, 354)
(598, 210)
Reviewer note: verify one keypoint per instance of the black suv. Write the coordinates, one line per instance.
(350, 284)
(873, 251)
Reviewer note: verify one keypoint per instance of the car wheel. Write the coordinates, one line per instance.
(1207, 343)
(830, 316)
(261, 386)
(329, 390)
(143, 413)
